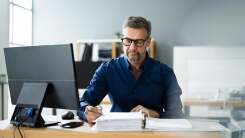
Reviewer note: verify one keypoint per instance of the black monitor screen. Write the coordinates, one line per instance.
(50, 64)
(85, 71)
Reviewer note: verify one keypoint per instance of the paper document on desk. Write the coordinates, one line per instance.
(120, 121)
(167, 124)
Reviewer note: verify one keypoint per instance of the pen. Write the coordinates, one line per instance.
(98, 107)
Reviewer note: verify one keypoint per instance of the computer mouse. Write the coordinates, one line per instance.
(72, 124)
(67, 116)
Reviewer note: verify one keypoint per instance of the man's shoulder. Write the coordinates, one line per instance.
(160, 65)
(118, 59)
(113, 62)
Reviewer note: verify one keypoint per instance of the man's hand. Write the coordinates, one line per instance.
(92, 113)
(146, 111)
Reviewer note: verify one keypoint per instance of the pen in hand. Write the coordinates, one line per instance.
(99, 107)
(92, 113)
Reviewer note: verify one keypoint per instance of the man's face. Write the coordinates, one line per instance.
(135, 42)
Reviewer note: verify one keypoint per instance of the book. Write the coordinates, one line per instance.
(87, 54)
(167, 124)
(135, 121)
(120, 121)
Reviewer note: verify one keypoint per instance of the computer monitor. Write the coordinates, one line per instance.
(40, 76)
(85, 71)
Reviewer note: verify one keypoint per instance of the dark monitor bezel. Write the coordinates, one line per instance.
(15, 87)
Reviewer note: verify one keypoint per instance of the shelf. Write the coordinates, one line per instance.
(114, 44)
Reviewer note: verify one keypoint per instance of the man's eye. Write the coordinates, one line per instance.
(140, 42)
(128, 40)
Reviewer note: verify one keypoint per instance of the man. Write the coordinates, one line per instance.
(134, 82)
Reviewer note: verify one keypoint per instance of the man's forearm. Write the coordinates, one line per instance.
(81, 111)
(81, 115)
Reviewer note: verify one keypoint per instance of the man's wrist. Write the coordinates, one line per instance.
(154, 114)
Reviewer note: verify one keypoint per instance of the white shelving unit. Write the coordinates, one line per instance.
(114, 44)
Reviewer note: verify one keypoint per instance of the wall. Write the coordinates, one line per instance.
(4, 39)
(175, 22)
(210, 72)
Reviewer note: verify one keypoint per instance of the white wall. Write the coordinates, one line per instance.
(205, 72)
(175, 22)
(4, 39)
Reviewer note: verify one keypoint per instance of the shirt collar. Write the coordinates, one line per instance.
(146, 64)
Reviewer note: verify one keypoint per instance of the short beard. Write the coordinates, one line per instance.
(134, 57)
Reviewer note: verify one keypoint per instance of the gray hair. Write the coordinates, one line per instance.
(138, 22)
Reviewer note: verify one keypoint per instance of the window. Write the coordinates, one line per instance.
(20, 28)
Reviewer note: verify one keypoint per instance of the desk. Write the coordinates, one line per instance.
(6, 131)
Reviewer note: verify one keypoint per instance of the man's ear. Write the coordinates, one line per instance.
(148, 43)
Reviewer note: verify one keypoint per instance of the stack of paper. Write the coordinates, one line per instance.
(120, 121)
(167, 124)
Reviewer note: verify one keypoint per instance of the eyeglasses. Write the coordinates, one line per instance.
(137, 42)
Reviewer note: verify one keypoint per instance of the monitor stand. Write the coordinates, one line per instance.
(29, 106)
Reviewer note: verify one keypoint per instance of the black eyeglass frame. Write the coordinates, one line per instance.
(135, 41)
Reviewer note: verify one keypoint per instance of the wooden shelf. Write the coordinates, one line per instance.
(115, 46)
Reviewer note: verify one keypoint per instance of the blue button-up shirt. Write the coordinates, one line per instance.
(156, 88)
